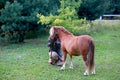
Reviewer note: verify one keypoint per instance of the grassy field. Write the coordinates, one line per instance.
(29, 60)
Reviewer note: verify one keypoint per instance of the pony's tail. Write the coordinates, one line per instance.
(91, 55)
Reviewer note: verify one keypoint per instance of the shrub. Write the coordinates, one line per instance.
(67, 18)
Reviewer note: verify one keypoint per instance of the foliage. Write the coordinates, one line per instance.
(114, 7)
(19, 17)
(11, 17)
(92, 9)
(67, 17)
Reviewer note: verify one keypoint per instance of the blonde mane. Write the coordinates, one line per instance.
(51, 32)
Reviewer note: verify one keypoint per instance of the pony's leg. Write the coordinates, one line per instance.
(64, 62)
(71, 64)
(87, 67)
(93, 69)
(63, 66)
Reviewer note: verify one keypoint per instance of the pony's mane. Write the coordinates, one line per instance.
(63, 29)
(51, 32)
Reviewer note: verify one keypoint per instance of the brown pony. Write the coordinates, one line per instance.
(75, 46)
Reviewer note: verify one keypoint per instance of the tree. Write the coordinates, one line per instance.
(92, 9)
(67, 17)
(2, 3)
(11, 18)
(19, 17)
(114, 7)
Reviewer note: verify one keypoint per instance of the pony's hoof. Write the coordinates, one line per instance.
(93, 73)
(71, 67)
(86, 73)
(62, 68)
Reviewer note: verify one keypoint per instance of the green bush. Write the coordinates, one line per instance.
(19, 16)
(67, 18)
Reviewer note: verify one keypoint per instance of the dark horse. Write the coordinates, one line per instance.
(75, 46)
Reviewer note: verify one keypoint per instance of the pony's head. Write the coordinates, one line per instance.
(55, 30)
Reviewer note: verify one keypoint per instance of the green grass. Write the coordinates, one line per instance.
(29, 60)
